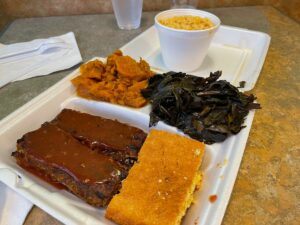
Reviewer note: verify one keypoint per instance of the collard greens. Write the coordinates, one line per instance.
(207, 109)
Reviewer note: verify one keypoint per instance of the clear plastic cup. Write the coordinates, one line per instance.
(184, 50)
(128, 13)
(190, 4)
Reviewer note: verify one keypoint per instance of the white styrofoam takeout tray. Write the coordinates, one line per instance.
(238, 52)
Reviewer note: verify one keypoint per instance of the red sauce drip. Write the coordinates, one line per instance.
(196, 221)
(42, 176)
(213, 198)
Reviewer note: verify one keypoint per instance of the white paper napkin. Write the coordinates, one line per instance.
(13, 207)
(38, 57)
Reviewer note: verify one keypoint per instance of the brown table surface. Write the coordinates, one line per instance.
(267, 187)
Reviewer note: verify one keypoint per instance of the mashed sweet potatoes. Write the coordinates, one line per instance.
(118, 81)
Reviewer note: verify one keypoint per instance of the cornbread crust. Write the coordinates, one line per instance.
(160, 186)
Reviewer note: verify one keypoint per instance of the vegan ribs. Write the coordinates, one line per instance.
(118, 140)
(69, 152)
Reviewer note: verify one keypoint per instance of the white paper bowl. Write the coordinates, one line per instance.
(184, 50)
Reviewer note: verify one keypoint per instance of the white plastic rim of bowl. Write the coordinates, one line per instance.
(184, 50)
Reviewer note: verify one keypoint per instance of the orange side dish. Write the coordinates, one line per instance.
(118, 81)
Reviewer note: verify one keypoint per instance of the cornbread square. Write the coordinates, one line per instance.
(160, 186)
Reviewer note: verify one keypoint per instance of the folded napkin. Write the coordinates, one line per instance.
(13, 207)
(39, 57)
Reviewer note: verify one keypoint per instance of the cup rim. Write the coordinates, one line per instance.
(187, 10)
